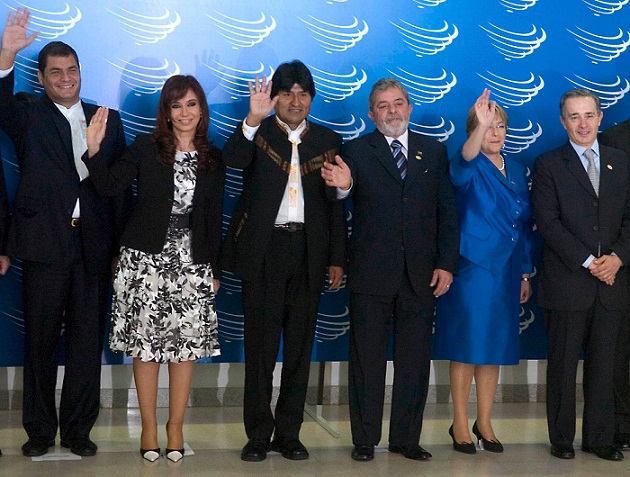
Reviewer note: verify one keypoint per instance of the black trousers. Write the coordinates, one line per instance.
(371, 319)
(622, 377)
(278, 303)
(63, 296)
(594, 331)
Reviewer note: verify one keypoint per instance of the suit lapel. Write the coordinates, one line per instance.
(384, 155)
(416, 163)
(576, 168)
(63, 128)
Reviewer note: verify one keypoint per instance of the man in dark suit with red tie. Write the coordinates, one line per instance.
(619, 137)
(404, 251)
(64, 233)
(581, 201)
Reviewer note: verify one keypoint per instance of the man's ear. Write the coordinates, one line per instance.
(40, 77)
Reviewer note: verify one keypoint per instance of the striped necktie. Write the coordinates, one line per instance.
(399, 157)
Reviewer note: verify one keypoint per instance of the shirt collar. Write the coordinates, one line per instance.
(74, 111)
(402, 139)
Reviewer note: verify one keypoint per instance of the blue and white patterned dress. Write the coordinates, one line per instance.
(163, 306)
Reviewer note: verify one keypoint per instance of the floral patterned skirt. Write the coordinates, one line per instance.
(163, 306)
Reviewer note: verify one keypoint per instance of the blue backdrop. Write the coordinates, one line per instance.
(528, 52)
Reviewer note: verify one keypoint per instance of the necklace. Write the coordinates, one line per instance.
(502, 168)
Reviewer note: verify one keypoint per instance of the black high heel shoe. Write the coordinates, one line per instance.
(485, 444)
(465, 447)
(150, 454)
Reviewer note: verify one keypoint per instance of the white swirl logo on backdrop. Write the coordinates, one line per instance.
(512, 6)
(334, 37)
(134, 124)
(428, 3)
(605, 7)
(609, 93)
(243, 33)
(143, 29)
(50, 24)
(347, 130)
(26, 69)
(233, 182)
(144, 79)
(235, 81)
(519, 139)
(512, 44)
(331, 327)
(335, 87)
(424, 89)
(223, 125)
(441, 131)
(508, 92)
(426, 42)
(599, 48)
(231, 325)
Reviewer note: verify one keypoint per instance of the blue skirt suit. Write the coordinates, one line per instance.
(477, 321)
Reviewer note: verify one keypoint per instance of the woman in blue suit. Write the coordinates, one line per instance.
(477, 322)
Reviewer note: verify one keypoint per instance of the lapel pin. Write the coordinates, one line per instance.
(609, 166)
(419, 156)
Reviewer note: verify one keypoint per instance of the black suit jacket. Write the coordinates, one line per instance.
(148, 225)
(4, 212)
(264, 162)
(574, 223)
(617, 136)
(398, 223)
(49, 184)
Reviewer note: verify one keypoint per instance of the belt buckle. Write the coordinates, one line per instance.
(74, 222)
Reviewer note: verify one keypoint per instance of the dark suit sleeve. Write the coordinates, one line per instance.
(447, 221)
(4, 212)
(114, 179)
(13, 113)
(547, 214)
(238, 152)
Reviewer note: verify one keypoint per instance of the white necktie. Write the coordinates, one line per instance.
(79, 144)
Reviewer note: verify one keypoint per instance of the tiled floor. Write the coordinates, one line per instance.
(216, 436)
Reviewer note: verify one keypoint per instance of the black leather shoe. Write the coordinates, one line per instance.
(36, 447)
(562, 452)
(363, 453)
(465, 447)
(622, 441)
(82, 446)
(255, 450)
(604, 452)
(485, 444)
(290, 448)
(411, 452)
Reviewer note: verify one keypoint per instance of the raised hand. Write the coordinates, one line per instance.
(260, 101)
(14, 36)
(485, 109)
(96, 130)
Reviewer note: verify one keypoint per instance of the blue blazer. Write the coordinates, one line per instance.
(494, 212)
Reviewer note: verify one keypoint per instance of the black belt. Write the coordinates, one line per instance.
(181, 221)
(290, 226)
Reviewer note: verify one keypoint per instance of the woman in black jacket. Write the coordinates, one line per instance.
(168, 273)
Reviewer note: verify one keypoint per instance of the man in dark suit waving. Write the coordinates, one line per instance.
(404, 251)
(619, 137)
(64, 232)
(283, 236)
(581, 201)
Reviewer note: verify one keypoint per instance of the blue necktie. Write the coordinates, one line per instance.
(399, 156)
